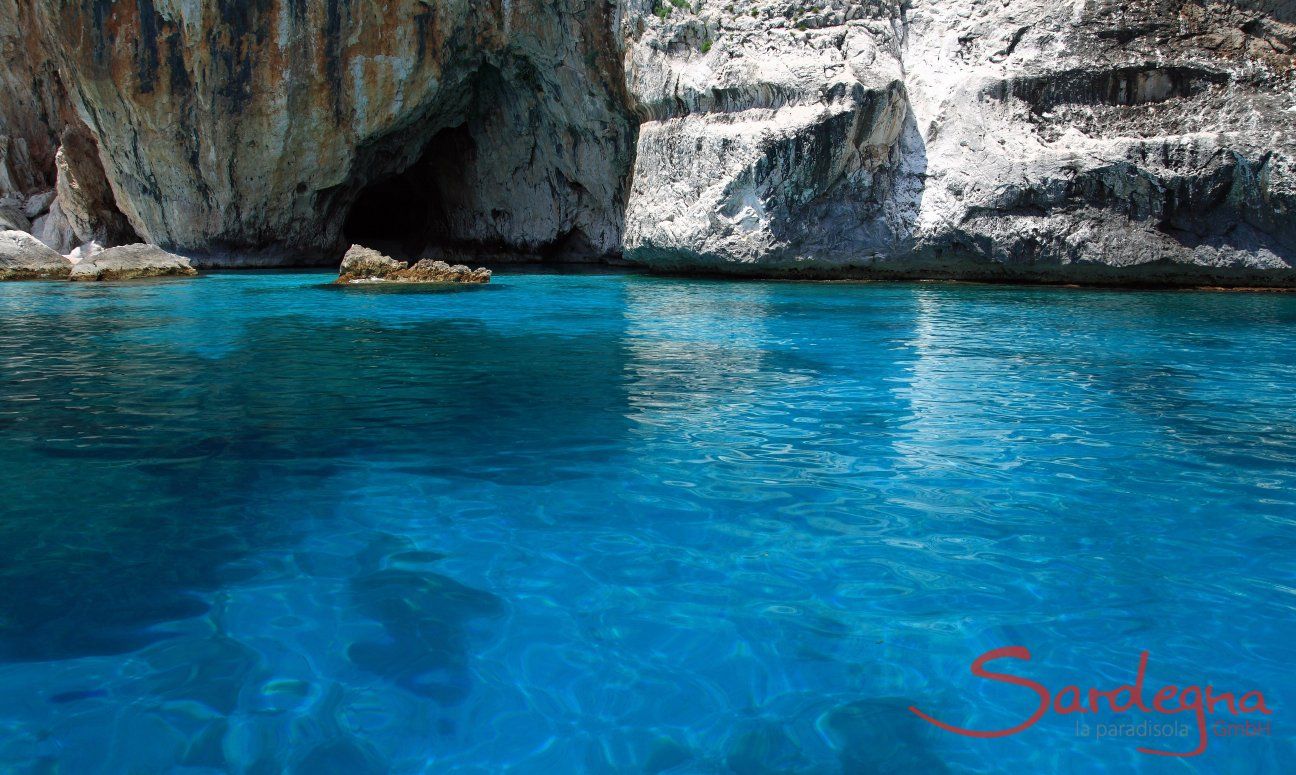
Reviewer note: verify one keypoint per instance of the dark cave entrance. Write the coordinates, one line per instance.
(413, 213)
(506, 176)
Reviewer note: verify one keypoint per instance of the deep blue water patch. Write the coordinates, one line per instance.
(611, 523)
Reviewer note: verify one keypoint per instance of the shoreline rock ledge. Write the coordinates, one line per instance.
(23, 257)
(132, 262)
(365, 265)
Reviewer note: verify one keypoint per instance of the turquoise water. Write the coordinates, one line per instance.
(613, 523)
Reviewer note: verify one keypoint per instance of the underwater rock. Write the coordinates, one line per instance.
(364, 265)
(132, 262)
(23, 257)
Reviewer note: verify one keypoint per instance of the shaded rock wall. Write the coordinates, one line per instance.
(255, 126)
(33, 105)
(85, 196)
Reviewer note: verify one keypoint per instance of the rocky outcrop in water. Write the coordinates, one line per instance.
(364, 265)
(23, 257)
(1140, 141)
(132, 262)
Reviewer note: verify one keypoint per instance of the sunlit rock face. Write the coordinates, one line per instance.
(1145, 141)
(776, 135)
(1101, 141)
(258, 126)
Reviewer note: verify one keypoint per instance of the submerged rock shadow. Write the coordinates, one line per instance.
(152, 476)
(425, 619)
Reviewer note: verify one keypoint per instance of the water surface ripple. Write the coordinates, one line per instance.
(614, 523)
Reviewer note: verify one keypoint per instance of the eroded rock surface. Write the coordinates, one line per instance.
(132, 262)
(23, 257)
(54, 230)
(33, 103)
(362, 262)
(1138, 141)
(365, 265)
(773, 135)
(1144, 141)
(263, 126)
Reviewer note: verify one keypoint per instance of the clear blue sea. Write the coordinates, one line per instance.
(614, 523)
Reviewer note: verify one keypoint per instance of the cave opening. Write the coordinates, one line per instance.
(412, 213)
(496, 169)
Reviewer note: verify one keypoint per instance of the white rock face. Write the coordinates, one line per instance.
(1143, 141)
(54, 230)
(86, 251)
(131, 262)
(23, 257)
(773, 137)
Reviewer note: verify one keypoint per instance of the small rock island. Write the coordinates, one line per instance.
(365, 265)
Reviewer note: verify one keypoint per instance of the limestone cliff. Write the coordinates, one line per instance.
(33, 106)
(1071, 140)
(1144, 141)
(776, 135)
(247, 131)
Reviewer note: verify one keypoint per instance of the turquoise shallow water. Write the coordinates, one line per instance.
(613, 523)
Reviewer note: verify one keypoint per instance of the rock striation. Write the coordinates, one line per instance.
(131, 262)
(364, 265)
(1141, 141)
(774, 135)
(23, 257)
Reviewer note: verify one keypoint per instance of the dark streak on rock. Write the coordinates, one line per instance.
(237, 54)
(333, 53)
(146, 51)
